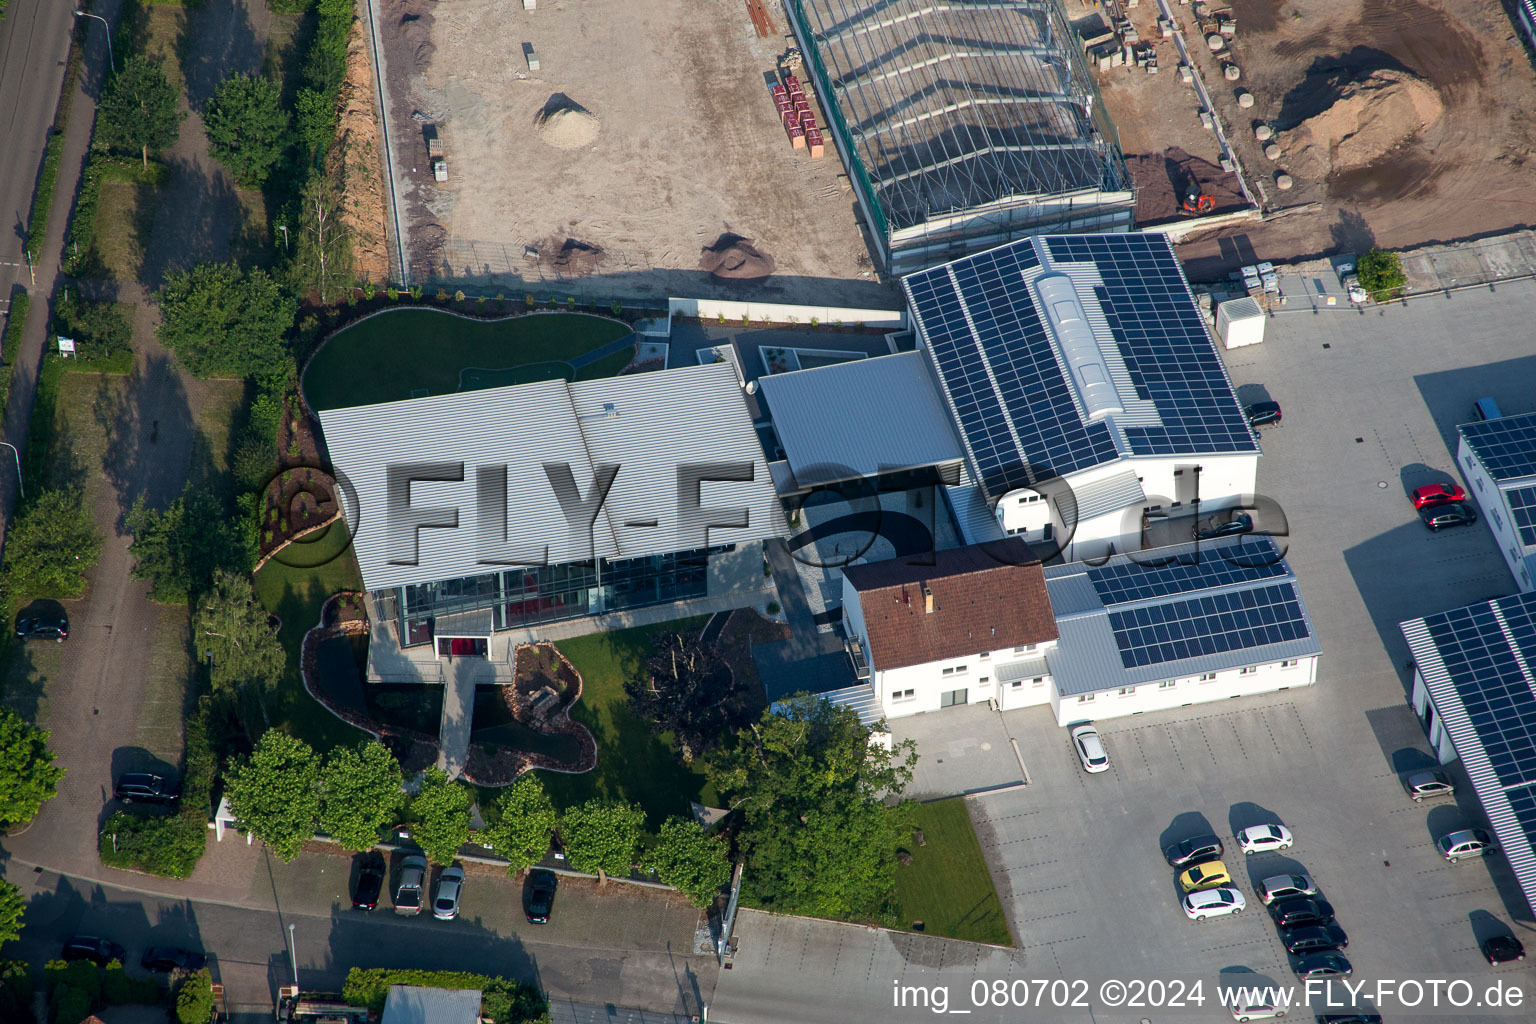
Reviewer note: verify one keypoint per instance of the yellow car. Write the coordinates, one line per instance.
(1210, 875)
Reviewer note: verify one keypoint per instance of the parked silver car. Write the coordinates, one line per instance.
(450, 884)
(413, 879)
(1423, 785)
(1469, 842)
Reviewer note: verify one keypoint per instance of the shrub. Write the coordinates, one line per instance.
(80, 975)
(773, 607)
(119, 988)
(1381, 274)
(194, 999)
(392, 292)
(15, 324)
(70, 1005)
(416, 292)
(170, 845)
(458, 296)
(16, 979)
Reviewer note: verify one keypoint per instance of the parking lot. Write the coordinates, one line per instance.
(1371, 400)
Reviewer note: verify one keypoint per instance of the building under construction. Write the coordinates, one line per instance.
(964, 124)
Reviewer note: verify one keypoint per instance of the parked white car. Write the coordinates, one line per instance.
(1090, 749)
(450, 886)
(1279, 887)
(1470, 842)
(1249, 1009)
(1264, 838)
(1213, 903)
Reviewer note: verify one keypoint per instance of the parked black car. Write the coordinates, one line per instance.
(165, 959)
(150, 788)
(1322, 965)
(539, 898)
(1501, 949)
(43, 620)
(1452, 513)
(1301, 910)
(1192, 851)
(1263, 413)
(1240, 523)
(99, 951)
(1349, 1018)
(370, 882)
(1314, 938)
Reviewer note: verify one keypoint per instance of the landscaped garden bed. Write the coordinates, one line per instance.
(544, 688)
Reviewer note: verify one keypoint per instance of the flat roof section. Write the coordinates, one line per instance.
(1505, 446)
(1030, 405)
(1477, 663)
(1177, 611)
(860, 419)
(651, 426)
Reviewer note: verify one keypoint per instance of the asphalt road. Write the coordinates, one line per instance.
(34, 41)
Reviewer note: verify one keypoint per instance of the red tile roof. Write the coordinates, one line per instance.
(985, 598)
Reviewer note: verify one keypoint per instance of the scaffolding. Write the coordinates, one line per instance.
(964, 124)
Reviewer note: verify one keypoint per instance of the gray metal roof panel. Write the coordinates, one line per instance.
(664, 420)
(1111, 494)
(412, 1004)
(856, 418)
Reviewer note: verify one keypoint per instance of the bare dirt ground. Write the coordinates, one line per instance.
(357, 159)
(1158, 120)
(1465, 174)
(687, 147)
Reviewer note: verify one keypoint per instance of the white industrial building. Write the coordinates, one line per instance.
(1498, 457)
(1474, 689)
(1182, 625)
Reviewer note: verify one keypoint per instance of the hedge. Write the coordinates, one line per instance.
(170, 845)
(42, 199)
(102, 168)
(15, 324)
(503, 1001)
(15, 990)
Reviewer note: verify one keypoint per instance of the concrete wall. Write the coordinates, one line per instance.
(1155, 696)
(785, 313)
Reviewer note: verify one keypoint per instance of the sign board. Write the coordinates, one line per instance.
(67, 346)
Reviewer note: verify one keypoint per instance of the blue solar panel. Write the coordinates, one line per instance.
(1496, 691)
(978, 314)
(1204, 568)
(1506, 446)
(1213, 624)
(1522, 508)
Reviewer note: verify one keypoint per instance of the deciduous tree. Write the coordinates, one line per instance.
(181, 548)
(99, 329)
(222, 321)
(440, 812)
(690, 861)
(817, 834)
(275, 792)
(11, 908)
(236, 633)
(359, 794)
(527, 823)
(51, 544)
(323, 261)
(194, 999)
(247, 127)
(602, 838)
(1381, 274)
(685, 692)
(28, 776)
(138, 108)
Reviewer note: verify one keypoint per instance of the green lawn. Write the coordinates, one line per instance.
(295, 595)
(385, 358)
(632, 765)
(947, 886)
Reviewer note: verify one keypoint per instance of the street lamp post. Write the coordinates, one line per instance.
(284, 229)
(110, 58)
(20, 491)
(293, 955)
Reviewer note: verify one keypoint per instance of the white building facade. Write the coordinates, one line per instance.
(1498, 458)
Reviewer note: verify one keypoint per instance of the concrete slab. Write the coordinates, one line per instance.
(960, 750)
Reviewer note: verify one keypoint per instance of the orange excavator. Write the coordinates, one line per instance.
(1197, 202)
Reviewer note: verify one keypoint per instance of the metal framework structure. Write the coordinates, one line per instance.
(964, 124)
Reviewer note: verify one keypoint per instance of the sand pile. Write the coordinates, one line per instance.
(735, 258)
(566, 125)
(570, 256)
(1370, 116)
(414, 38)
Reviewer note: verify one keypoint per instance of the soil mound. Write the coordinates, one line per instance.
(566, 125)
(569, 256)
(735, 258)
(1371, 115)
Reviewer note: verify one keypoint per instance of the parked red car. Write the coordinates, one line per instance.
(1437, 494)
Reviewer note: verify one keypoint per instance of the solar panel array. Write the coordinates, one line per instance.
(1522, 508)
(1496, 690)
(1202, 568)
(1213, 624)
(1506, 446)
(1021, 420)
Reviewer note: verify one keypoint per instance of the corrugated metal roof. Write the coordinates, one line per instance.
(648, 424)
(1112, 494)
(412, 1004)
(1515, 844)
(977, 521)
(860, 418)
(1087, 659)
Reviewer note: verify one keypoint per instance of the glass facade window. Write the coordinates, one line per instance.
(550, 593)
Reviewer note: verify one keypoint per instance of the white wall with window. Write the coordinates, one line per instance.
(973, 679)
(1492, 499)
(1163, 694)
